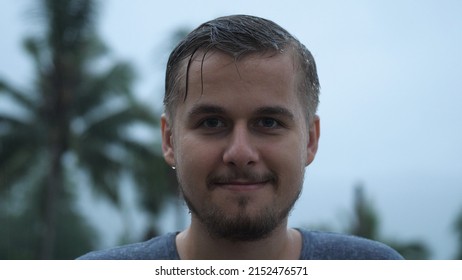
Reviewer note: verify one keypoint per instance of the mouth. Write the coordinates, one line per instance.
(242, 186)
(242, 181)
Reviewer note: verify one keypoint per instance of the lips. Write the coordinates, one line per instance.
(241, 180)
(241, 185)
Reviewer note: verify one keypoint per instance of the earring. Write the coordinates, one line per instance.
(173, 167)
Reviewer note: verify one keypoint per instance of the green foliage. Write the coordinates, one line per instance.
(365, 223)
(365, 220)
(80, 106)
(458, 231)
(21, 237)
(412, 250)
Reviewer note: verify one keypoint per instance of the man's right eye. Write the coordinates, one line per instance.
(212, 123)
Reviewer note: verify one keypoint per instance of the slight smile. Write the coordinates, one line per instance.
(238, 186)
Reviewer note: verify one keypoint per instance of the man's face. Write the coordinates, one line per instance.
(240, 143)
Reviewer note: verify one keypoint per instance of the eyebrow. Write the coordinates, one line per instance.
(275, 111)
(267, 110)
(205, 110)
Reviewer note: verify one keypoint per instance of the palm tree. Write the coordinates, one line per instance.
(365, 223)
(365, 220)
(76, 108)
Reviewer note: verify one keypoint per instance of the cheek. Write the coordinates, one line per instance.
(291, 163)
(194, 159)
(287, 159)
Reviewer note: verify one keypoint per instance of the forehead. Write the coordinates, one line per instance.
(255, 80)
(216, 72)
(212, 65)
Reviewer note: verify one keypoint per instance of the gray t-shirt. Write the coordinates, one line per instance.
(315, 246)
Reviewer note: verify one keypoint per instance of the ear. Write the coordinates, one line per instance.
(313, 139)
(167, 141)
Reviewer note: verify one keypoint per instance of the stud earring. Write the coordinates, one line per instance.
(173, 167)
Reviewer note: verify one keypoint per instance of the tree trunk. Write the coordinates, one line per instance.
(53, 186)
(57, 116)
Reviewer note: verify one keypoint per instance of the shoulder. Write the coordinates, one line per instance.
(335, 246)
(159, 248)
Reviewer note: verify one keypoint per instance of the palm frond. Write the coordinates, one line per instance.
(151, 174)
(110, 126)
(20, 97)
(99, 88)
(103, 170)
(19, 149)
(34, 49)
(70, 22)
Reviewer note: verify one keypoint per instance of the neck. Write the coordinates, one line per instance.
(196, 243)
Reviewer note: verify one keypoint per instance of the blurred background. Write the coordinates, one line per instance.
(81, 86)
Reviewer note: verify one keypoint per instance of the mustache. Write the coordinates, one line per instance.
(231, 176)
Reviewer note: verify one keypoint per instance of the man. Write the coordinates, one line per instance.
(239, 128)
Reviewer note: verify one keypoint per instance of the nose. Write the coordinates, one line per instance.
(240, 150)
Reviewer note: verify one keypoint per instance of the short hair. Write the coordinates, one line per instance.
(239, 35)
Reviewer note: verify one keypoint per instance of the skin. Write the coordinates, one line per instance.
(240, 144)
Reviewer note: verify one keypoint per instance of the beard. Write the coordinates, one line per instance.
(241, 227)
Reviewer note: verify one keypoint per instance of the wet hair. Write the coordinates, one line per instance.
(239, 35)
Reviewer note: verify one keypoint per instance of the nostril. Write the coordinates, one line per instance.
(240, 157)
(240, 150)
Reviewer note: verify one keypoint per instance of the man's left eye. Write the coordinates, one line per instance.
(268, 123)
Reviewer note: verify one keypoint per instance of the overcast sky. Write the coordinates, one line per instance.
(391, 77)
